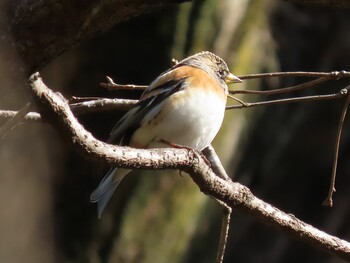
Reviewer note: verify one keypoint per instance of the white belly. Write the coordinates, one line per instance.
(192, 124)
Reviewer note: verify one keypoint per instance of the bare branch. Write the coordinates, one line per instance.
(332, 96)
(283, 90)
(102, 104)
(56, 111)
(16, 119)
(30, 116)
(244, 105)
(333, 75)
(322, 77)
(111, 85)
(225, 227)
(105, 104)
(219, 170)
(80, 108)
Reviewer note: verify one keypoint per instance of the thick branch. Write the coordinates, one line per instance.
(56, 110)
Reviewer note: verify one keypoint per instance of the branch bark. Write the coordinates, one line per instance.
(56, 111)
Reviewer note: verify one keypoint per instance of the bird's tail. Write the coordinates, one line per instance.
(104, 191)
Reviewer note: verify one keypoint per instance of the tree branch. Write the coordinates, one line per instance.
(342, 93)
(332, 75)
(304, 85)
(101, 104)
(111, 85)
(56, 111)
(219, 170)
(225, 228)
(79, 108)
(17, 117)
(329, 200)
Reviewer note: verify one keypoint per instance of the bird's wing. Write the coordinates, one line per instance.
(153, 96)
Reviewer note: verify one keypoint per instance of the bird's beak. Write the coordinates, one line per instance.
(232, 79)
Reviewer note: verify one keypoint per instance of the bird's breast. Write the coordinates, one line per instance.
(190, 117)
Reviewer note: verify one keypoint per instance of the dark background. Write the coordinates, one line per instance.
(283, 153)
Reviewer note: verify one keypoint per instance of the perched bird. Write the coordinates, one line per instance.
(183, 106)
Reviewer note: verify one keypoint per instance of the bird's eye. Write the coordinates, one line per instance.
(222, 73)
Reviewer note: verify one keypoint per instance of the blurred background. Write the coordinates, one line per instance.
(283, 153)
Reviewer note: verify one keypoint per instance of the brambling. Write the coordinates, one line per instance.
(183, 106)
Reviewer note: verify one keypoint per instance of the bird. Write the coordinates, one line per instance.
(183, 106)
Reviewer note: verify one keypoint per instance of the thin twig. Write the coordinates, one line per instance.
(105, 104)
(80, 108)
(324, 76)
(93, 104)
(75, 99)
(283, 90)
(225, 228)
(219, 170)
(333, 75)
(102, 104)
(111, 85)
(14, 121)
(30, 116)
(288, 100)
(238, 100)
(329, 199)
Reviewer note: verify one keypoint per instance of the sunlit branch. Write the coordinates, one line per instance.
(231, 193)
